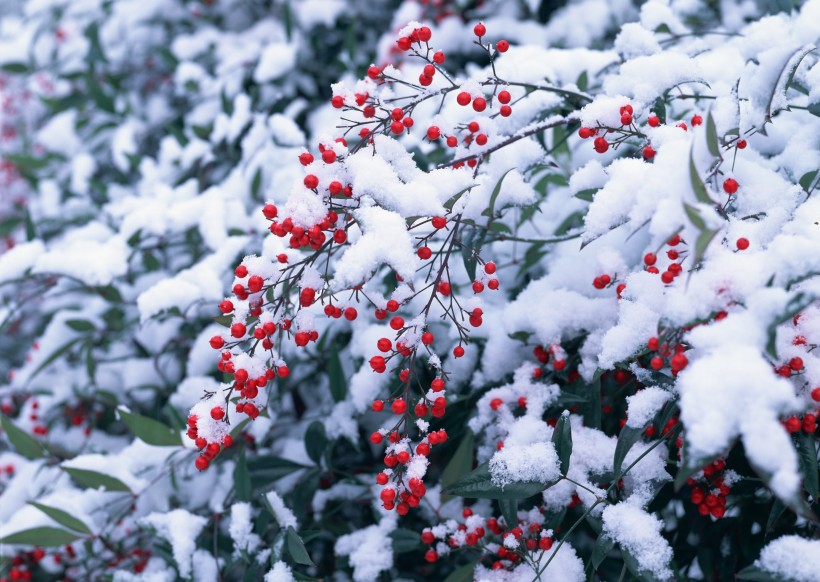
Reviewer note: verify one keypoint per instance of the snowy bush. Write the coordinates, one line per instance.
(456, 290)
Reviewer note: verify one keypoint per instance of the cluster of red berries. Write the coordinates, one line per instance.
(407, 488)
(525, 537)
(807, 423)
(674, 268)
(675, 357)
(710, 491)
(554, 351)
(208, 450)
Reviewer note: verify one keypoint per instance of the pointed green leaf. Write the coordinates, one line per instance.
(149, 430)
(405, 540)
(509, 509)
(296, 548)
(80, 325)
(758, 575)
(711, 136)
(62, 517)
(336, 376)
(807, 452)
(479, 484)
(626, 440)
(23, 443)
(462, 574)
(697, 184)
(316, 441)
(460, 463)
(496, 192)
(603, 545)
(562, 439)
(95, 480)
(242, 478)
(46, 537)
(586, 195)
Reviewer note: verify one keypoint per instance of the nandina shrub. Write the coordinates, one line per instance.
(547, 317)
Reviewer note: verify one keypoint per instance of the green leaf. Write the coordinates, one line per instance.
(711, 136)
(460, 463)
(463, 574)
(697, 184)
(659, 109)
(62, 517)
(80, 325)
(758, 575)
(603, 545)
(586, 195)
(23, 443)
(242, 478)
(635, 568)
(808, 182)
(95, 51)
(46, 537)
(256, 183)
(562, 439)
(478, 484)
(296, 548)
(405, 540)
(14, 68)
(496, 192)
(316, 441)
(95, 480)
(789, 69)
(509, 509)
(807, 452)
(149, 430)
(701, 244)
(778, 508)
(626, 440)
(471, 242)
(272, 468)
(583, 81)
(31, 232)
(336, 376)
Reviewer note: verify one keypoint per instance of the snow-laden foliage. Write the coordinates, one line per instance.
(462, 290)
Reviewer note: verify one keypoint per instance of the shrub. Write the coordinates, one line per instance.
(509, 312)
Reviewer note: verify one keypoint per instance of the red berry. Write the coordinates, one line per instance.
(306, 159)
(648, 152)
(742, 243)
(730, 185)
(502, 46)
(505, 111)
(439, 222)
(217, 413)
(479, 30)
(217, 342)
(238, 330)
(399, 406)
(504, 97)
(311, 181)
(479, 104)
(815, 394)
(201, 463)
(696, 120)
(464, 98)
(431, 556)
(458, 351)
(376, 438)
(741, 144)
(374, 72)
(653, 121)
(427, 338)
(601, 145)
(433, 133)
